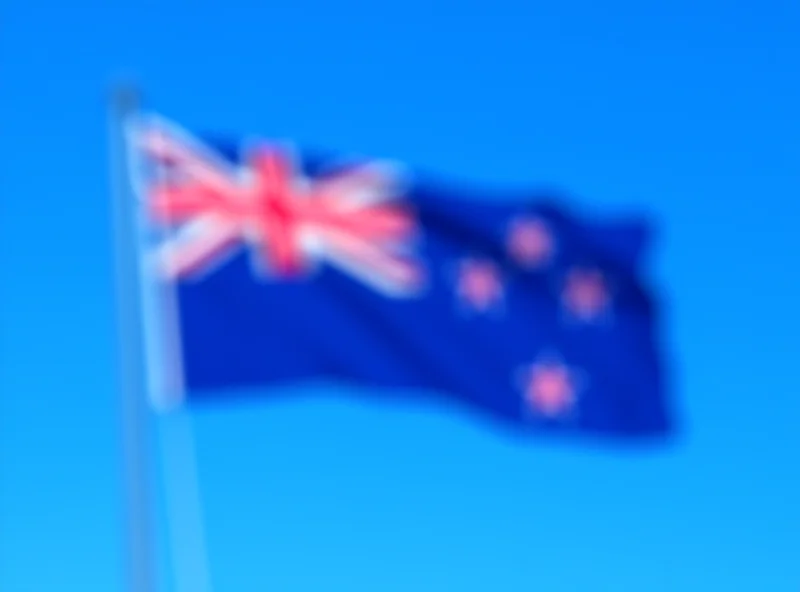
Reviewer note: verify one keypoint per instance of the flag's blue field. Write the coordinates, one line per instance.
(685, 112)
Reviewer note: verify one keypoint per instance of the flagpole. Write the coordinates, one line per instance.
(140, 566)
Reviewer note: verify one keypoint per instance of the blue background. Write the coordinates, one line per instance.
(689, 109)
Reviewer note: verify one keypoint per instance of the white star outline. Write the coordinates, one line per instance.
(454, 272)
(540, 231)
(578, 378)
(604, 316)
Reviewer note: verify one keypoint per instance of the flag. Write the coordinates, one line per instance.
(275, 266)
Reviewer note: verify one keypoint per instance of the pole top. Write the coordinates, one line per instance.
(125, 98)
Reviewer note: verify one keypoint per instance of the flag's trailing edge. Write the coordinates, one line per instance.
(270, 266)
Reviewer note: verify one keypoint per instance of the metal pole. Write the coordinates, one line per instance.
(140, 566)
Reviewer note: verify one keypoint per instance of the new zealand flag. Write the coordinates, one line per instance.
(276, 266)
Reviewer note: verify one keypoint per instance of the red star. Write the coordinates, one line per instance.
(530, 242)
(550, 388)
(479, 284)
(586, 293)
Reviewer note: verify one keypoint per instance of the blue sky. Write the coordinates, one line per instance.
(688, 110)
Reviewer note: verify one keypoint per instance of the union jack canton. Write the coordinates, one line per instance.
(350, 219)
